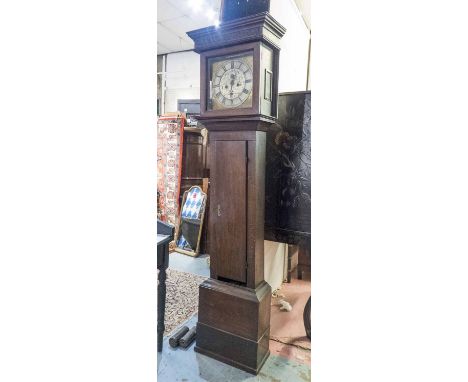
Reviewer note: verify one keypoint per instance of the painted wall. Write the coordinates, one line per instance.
(276, 255)
(294, 46)
(182, 78)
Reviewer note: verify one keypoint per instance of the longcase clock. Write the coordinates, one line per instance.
(238, 100)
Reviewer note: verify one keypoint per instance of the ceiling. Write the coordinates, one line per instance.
(176, 17)
(304, 9)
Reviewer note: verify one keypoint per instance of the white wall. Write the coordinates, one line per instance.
(275, 258)
(182, 78)
(294, 46)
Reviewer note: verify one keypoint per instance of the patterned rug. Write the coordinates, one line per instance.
(169, 149)
(181, 298)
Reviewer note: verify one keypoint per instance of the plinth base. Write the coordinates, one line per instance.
(234, 324)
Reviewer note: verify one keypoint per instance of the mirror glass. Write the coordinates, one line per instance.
(191, 221)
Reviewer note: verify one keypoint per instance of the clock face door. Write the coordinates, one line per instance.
(230, 82)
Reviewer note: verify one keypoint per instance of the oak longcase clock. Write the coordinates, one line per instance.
(238, 103)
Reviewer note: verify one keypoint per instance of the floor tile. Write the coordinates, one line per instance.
(185, 263)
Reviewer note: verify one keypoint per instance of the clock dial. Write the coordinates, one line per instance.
(231, 82)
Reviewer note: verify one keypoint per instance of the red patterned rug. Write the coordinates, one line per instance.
(170, 142)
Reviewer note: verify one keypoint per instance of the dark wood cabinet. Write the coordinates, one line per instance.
(194, 171)
(193, 160)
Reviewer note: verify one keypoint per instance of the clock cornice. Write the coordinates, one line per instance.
(258, 27)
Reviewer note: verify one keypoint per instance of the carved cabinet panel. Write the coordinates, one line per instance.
(287, 191)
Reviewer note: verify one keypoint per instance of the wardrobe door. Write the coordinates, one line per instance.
(228, 209)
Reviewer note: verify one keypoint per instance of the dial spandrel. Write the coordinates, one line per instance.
(231, 78)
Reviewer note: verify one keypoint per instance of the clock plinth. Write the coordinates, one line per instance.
(238, 102)
(234, 324)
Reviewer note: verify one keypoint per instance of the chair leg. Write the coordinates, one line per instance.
(161, 306)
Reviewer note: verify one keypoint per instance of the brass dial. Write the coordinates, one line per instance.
(231, 83)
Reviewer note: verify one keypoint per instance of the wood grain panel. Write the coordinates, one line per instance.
(229, 209)
(193, 162)
(231, 349)
(242, 311)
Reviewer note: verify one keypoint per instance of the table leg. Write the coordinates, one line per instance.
(161, 305)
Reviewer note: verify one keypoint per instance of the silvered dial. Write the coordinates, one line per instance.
(232, 83)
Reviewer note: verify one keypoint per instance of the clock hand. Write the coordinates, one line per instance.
(231, 92)
(233, 78)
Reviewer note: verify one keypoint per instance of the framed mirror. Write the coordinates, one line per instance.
(191, 221)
